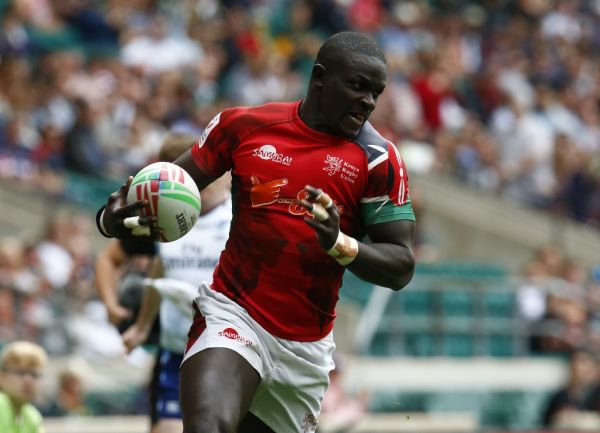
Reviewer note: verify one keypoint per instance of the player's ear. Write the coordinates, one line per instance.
(318, 74)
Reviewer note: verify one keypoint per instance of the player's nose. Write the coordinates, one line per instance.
(368, 101)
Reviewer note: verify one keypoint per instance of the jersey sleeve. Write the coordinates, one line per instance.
(213, 152)
(387, 196)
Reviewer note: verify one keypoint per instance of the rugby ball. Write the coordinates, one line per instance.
(173, 198)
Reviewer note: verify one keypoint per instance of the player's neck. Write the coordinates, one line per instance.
(310, 113)
(307, 114)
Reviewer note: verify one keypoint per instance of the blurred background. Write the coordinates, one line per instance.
(495, 107)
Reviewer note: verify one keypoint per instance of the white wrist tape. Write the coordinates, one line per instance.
(101, 222)
(322, 202)
(131, 222)
(344, 250)
(319, 212)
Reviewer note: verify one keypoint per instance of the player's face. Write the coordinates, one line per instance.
(350, 92)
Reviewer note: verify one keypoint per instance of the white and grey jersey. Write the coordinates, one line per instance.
(191, 259)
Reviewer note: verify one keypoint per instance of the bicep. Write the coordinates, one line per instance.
(186, 161)
(388, 260)
(400, 232)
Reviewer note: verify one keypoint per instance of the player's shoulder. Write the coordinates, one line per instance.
(375, 146)
(248, 118)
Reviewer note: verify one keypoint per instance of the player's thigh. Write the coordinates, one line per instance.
(216, 385)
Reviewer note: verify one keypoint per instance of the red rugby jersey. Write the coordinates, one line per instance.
(272, 264)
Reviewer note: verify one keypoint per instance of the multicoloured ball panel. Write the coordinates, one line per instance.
(172, 195)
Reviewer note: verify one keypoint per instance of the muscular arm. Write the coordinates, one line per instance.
(389, 260)
(150, 300)
(138, 333)
(186, 162)
(107, 268)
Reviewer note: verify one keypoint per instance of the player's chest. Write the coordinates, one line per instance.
(340, 166)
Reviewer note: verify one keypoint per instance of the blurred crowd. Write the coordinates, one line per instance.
(559, 303)
(560, 300)
(503, 94)
(46, 289)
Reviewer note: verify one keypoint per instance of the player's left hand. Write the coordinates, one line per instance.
(118, 212)
(325, 217)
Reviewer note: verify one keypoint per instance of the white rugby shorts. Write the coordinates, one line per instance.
(294, 374)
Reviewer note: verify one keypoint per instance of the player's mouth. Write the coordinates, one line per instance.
(354, 121)
(358, 118)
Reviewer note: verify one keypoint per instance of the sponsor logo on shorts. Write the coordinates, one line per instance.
(232, 334)
(309, 423)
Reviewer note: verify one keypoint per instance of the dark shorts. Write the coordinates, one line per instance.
(167, 403)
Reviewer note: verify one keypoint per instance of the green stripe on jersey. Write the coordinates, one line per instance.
(382, 212)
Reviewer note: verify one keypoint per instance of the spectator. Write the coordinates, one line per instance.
(70, 397)
(21, 368)
(83, 152)
(56, 263)
(155, 51)
(576, 395)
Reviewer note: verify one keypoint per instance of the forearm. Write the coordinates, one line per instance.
(148, 310)
(386, 265)
(106, 272)
(387, 261)
(106, 281)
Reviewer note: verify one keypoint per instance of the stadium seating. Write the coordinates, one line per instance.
(449, 309)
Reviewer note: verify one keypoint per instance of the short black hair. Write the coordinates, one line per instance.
(349, 43)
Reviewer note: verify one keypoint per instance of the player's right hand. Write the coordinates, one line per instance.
(133, 337)
(117, 211)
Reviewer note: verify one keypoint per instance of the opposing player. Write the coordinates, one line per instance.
(310, 180)
(179, 268)
(120, 270)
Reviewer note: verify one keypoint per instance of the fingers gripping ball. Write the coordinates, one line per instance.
(173, 199)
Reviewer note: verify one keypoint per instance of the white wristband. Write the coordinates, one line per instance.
(101, 222)
(345, 249)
